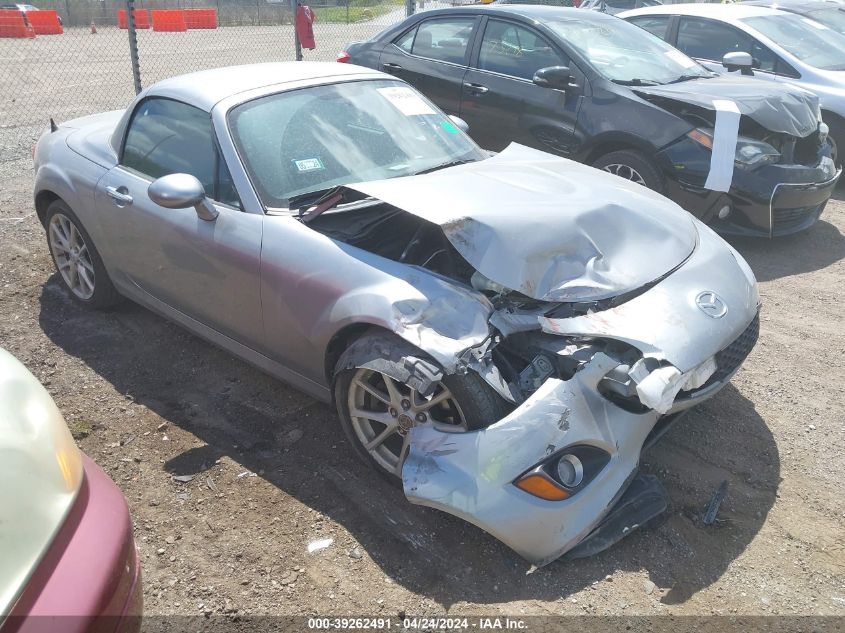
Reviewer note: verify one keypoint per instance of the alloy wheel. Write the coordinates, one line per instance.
(625, 171)
(71, 255)
(384, 410)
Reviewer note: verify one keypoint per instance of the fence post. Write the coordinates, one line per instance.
(409, 8)
(133, 44)
(297, 45)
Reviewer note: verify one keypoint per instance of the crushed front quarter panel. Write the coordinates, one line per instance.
(470, 475)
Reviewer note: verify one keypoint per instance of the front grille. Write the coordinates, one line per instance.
(783, 219)
(730, 358)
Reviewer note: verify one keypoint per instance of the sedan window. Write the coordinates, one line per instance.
(442, 40)
(810, 41)
(516, 51)
(655, 24)
(708, 39)
(301, 141)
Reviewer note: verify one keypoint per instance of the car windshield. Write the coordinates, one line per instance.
(811, 42)
(309, 140)
(627, 54)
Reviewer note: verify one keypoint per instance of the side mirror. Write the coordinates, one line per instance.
(180, 191)
(555, 77)
(462, 125)
(740, 61)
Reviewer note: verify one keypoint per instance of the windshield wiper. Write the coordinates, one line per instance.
(635, 82)
(308, 199)
(451, 163)
(689, 78)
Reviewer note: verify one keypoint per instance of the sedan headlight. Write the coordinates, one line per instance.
(750, 153)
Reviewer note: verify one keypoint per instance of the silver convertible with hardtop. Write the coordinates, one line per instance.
(501, 334)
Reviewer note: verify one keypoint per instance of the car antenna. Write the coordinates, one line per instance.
(53, 126)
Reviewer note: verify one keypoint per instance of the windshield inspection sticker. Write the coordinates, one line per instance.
(679, 57)
(406, 101)
(308, 164)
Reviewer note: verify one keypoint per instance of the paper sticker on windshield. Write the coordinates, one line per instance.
(308, 164)
(680, 58)
(406, 100)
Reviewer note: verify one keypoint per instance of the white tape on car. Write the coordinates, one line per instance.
(724, 145)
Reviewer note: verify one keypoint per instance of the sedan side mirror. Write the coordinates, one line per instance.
(180, 191)
(740, 61)
(462, 125)
(555, 77)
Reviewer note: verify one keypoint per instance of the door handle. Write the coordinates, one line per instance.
(477, 88)
(119, 196)
(388, 66)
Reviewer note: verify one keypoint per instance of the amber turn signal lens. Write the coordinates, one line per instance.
(542, 487)
(703, 138)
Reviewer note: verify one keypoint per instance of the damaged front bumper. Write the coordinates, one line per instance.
(769, 201)
(472, 475)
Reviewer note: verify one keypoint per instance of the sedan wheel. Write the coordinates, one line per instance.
(70, 252)
(383, 410)
(632, 165)
(625, 171)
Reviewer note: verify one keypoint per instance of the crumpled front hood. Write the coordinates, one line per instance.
(547, 227)
(776, 106)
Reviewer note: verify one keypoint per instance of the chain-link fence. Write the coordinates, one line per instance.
(73, 58)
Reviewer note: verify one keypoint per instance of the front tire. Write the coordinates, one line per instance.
(77, 260)
(632, 165)
(377, 406)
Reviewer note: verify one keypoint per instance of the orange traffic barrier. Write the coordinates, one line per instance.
(45, 22)
(14, 24)
(142, 19)
(201, 18)
(169, 20)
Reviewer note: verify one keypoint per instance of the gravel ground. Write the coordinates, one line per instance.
(271, 472)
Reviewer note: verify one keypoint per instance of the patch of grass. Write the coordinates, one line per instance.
(80, 428)
(354, 13)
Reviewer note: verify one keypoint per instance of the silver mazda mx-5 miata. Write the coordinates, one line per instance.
(502, 333)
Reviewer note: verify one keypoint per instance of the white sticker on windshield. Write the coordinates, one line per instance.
(679, 57)
(814, 24)
(406, 100)
(308, 164)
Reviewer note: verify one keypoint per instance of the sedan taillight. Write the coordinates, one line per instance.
(343, 57)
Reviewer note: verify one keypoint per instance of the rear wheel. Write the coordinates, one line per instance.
(378, 403)
(632, 165)
(76, 258)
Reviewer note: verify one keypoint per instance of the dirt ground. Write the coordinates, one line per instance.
(272, 473)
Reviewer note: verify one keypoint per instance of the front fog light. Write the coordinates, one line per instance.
(570, 471)
(724, 212)
(564, 473)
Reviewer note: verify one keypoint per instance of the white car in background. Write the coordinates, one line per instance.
(783, 47)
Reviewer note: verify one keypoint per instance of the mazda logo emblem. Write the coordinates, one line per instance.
(711, 304)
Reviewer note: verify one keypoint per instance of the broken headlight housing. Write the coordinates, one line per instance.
(750, 153)
(563, 473)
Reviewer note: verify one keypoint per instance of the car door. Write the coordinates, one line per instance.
(207, 270)
(501, 103)
(432, 57)
(708, 40)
